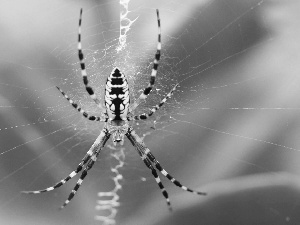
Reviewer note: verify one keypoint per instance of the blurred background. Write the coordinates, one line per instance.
(231, 129)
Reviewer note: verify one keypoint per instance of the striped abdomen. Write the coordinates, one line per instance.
(117, 95)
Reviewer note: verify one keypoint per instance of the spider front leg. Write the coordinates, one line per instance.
(103, 118)
(87, 162)
(148, 89)
(88, 166)
(151, 161)
(157, 178)
(150, 166)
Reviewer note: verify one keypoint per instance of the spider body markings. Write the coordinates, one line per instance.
(116, 113)
(117, 96)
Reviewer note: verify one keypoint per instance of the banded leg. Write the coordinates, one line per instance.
(134, 138)
(84, 113)
(88, 88)
(63, 181)
(145, 116)
(89, 166)
(148, 89)
(157, 178)
(98, 144)
(167, 175)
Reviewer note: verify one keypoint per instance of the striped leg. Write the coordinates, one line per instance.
(88, 88)
(167, 175)
(134, 138)
(161, 186)
(145, 116)
(63, 181)
(85, 114)
(89, 166)
(154, 173)
(148, 163)
(148, 89)
(98, 144)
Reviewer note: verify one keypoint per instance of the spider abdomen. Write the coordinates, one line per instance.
(117, 95)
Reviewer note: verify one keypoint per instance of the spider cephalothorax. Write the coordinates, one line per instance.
(116, 114)
(118, 129)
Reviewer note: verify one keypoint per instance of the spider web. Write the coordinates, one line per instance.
(231, 128)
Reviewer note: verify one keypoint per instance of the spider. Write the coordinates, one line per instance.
(116, 114)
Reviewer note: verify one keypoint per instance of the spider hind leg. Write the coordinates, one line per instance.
(157, 55)
(88, 88)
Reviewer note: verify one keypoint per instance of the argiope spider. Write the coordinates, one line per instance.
(116, 115)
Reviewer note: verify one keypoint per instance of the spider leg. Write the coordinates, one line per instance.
(88, 88)
(137, 141)
(63, 181)
(88, 166)
(155, 175)
(148, 89)
(97, 146)
(79, 109)
(145, 116)
(167, 175)
(162, 188)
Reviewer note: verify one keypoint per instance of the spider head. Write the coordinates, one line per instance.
(117, 129)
